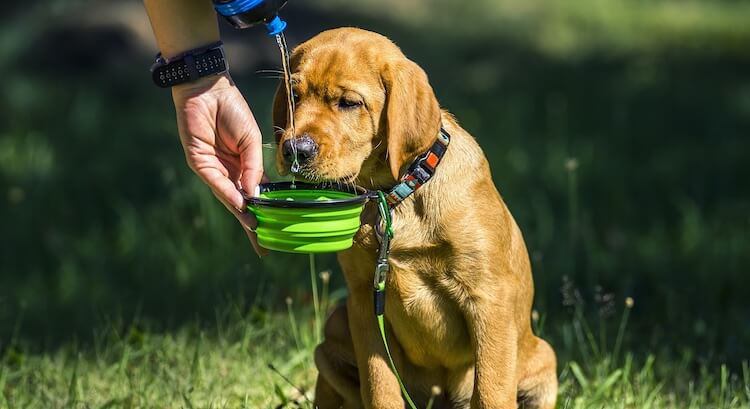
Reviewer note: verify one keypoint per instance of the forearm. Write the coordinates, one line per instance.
(181, 25)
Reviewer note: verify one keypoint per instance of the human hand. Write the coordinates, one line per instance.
(222, 143)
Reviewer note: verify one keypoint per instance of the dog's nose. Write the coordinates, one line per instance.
(304, 146)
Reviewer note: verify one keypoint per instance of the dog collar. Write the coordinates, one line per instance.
(420, 171)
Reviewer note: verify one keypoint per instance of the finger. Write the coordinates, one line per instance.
(247, 219)
(202, 153)
(249, 145)
(251, 163)
(223, 187)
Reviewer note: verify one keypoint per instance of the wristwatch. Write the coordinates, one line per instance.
(189, 66)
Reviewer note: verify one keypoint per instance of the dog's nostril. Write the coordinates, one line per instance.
(305, 147)
(288, 151)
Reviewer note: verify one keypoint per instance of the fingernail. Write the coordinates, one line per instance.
(256, 193)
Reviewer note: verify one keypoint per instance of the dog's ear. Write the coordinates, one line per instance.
(411, 114)
(280, 111)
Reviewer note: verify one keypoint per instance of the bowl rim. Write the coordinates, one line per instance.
(361, 195)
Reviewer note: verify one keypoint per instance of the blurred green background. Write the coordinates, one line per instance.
(618, 132)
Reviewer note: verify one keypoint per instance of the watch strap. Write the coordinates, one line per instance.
(189, 66)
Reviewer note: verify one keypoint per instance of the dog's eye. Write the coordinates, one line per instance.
(348, 103)
(295, 97)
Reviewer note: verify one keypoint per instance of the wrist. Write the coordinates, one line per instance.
(203, 85)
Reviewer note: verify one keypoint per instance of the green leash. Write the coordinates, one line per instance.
(381, 271)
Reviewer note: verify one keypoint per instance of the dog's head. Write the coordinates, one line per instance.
(363, 111)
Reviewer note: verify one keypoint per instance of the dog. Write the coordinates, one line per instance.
(459, 291)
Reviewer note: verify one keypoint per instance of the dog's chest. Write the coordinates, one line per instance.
(424, 316)
(426, 321)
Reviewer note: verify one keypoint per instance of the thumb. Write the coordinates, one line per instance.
(251, 160)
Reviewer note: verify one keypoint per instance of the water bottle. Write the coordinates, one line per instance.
(247, 13)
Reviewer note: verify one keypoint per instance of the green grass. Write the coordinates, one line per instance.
(191, 368)
(250, 358)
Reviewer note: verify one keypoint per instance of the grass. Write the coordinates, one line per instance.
(192, 368)
(251, 358)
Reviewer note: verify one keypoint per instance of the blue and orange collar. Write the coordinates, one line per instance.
(420, 171)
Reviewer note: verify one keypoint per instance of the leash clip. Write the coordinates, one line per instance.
(384, 232)
(382, 268)
(381, 272)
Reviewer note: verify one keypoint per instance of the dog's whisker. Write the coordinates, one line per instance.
(269, 70)
(278, 130)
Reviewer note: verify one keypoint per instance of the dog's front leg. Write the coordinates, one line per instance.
(378, 385)
(495, 341)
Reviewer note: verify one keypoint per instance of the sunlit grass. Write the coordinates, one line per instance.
(224, 366)
(249, 358)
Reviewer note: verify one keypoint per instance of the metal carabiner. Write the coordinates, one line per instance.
(382, 267)
(381, 273)
(383, 231)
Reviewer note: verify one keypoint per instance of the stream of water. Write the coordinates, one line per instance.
(281, 41)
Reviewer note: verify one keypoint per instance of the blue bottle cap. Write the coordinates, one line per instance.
(276, 26)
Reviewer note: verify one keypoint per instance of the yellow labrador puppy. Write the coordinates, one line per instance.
(460, 288)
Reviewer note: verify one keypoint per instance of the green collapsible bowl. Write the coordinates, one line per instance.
(307, 218)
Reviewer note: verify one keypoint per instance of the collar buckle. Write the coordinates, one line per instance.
(419, 171)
